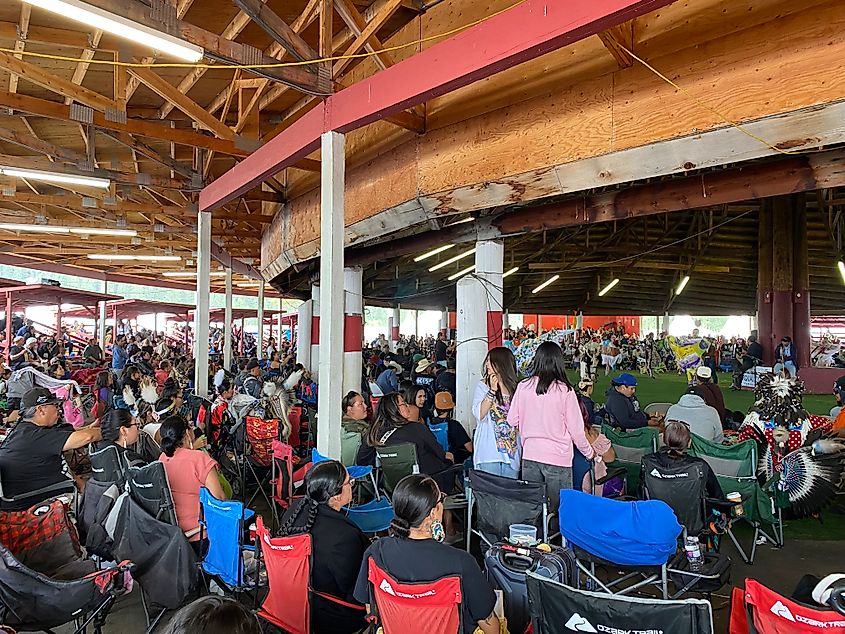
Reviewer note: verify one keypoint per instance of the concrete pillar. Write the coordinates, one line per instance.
(303, 334)
(203, 304)
(315, 331)
(472, 345)
(391, 341)
(489, 260)
(394, 330)
(416, 315)
(260, 315)
(101, 323)
(227, 324)
(506, 320)
(332, 184)
(579, 320)
(353, 328)
(444, 321)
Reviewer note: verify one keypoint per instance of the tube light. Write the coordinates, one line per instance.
(54, 177)
(126, 257)
(91, 231)
(461, 221)
(510, 272)
(682, 285)
(607, 288)
(841, 265)
(422, 257)
(551, 280)
(460, 256)
(96, 18)
(461, 273)
(192, 274)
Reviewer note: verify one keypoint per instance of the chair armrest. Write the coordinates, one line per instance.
(611, 474)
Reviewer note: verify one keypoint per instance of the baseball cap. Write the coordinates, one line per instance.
(625, 379)
(704, 372)
(443, 400)
(253, 363)
(39, 396)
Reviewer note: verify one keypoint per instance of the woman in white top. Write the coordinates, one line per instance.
(496, 449)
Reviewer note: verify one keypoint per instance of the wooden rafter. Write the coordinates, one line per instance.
(378, 21)
(145, 150)
(170, 93)
(32, 142)
(45, 79)
(616, 40)
(45, 35)
(85, 61)
(20, 43)
(277, 28)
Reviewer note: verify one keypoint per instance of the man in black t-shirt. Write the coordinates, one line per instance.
(31, 466)
(440, 350)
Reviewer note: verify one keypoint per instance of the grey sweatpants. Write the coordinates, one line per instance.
(555, 478)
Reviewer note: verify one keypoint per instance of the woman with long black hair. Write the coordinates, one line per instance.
(495, 446)
(546, 410)
(414, 553)
(337, 547)
(120, 428)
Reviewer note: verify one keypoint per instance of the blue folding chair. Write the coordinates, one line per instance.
(373, 517)
(355, 472)
(224, 523)
(441, 433)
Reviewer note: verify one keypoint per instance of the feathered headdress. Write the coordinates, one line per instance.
(779, 399)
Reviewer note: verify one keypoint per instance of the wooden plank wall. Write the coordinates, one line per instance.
(747, 60)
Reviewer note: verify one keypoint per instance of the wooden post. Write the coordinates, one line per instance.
(332, 184)
(801, 282)
(764, 280)
(782, 270)
(203, 304)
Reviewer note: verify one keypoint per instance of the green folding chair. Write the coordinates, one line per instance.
(630, 447)
(400, 460)
(735, 467)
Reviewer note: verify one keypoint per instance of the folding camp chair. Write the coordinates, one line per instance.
(638, 537)
(108, 466)
(149, 488)
(559, 609)
(501, 502)
(441, 433)
(295, 421)
(224, 522)
(373, 516)
(284, 478)
(356, 472)
(402, 607)
(630, 447)
(735, 468)
(288, 564)
(259, 434)
(759, 610)
(107, 482)
(656, 408)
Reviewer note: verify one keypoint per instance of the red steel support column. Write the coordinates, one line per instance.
(353, 328)
(315, 330)
(782, 271)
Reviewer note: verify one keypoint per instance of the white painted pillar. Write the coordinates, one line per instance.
(394, 329)
(227, 324)
(332, 184)
(303, 334)
(444, 321)
(579, 321)
(416, 315)
(506, 320)
(353, 328)
(260, 316)
(101, 324)
(391, 341)
(203, 304)
(489, 261)
(315, 332)
(472, 345)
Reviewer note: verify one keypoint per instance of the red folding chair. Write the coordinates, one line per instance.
(288, 564)
(759, 610)
(285, 477)
(295, 420)
(401, 607)
(260, 434)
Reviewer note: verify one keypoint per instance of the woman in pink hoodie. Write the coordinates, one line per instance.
(545, 409)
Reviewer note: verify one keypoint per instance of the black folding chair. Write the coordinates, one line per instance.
(149, 487)
(559, 609)
(500, 502)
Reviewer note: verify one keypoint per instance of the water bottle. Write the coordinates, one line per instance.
(693, 550)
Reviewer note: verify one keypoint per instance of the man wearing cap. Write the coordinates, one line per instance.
(624, 406)
(18, 354)
(709, 391)
(786, 357)
(459, 442)
(253, 383)
(31, 466)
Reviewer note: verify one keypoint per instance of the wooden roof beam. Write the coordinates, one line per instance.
(76, 202)
(373, 26)
(277, 28)
(45, 35)
(32, 142)
(41, 77)
(20, 42)
(145, 150)
(621, 34)
(85, 62)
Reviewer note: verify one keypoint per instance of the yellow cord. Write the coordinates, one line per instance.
(706, 106)
(386, 49)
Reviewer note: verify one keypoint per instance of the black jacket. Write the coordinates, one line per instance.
(625, 411)
(338, 549)
(792, 356)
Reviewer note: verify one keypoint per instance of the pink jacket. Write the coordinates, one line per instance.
(548, 424)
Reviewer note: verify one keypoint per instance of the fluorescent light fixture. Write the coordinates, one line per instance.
(461, 273)
(682, 285)
(422, 257)
(510, 272)
(91, 231)
(607, 288)
(124, 257)
(461, 221)
(551, 280)
(192, 274)
(96, 18)
(54, 177)
(841, 266)
(451, 260)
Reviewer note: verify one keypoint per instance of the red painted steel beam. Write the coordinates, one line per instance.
(525, 32)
